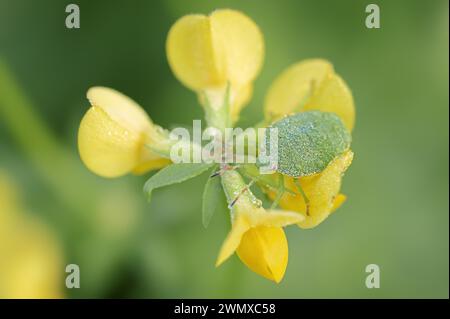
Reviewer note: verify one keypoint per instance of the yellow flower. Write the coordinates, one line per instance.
(310, 85)
(31, 265)
(117, 137)
(206, 53)
(321, 189)
(256, 234)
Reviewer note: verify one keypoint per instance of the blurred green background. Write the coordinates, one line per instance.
(396, 215)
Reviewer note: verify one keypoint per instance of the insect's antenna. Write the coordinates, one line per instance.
(243, 190)
(223, 169)
(218, 173)
(305, 198)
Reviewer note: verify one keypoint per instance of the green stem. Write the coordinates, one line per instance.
(217, 108)
(59, 168)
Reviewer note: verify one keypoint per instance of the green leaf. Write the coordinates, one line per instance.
(173, 174)
(211, 197)
(308, 142)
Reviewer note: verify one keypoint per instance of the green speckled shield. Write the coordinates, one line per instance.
(309, 141)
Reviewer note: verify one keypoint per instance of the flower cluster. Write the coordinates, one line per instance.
(218, 57)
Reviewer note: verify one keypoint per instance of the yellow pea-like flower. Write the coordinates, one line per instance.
(310, 85)
(206, 53)
(117, 137)
(256, 234)
(265, 251)
(322, 191)
(31, 263)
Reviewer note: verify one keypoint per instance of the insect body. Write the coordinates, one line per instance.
(307, 143)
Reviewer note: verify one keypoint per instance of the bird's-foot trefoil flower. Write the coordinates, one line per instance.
(310, 85)
(31, 262)
(209, 53)
(256, 234)
(117, 137)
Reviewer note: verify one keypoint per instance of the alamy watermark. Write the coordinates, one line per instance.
(230, 146)
(73, 277)
(373, 277)
(373, 18)
(73, 17)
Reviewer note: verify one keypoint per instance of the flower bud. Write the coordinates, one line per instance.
(117, 137)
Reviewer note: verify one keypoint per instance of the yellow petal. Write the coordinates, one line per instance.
(31, 264)
(273, 218)
(338, 201)
(114, 134)
(151, 164)
(333, 95)
(322, 191)
(265, 251)
(30, 257)
(191, 55)
(107, 148)
(242, 98)
(231, 243)
(239, 46)
(294, 86)
(254, 218)
(207, 52)
(120, 108)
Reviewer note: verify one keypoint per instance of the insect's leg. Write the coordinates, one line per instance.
(243, 190)
(216, 173)
(280, 192)
(305, 198)
(223, 169)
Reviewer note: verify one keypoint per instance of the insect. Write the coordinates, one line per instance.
(307, 142)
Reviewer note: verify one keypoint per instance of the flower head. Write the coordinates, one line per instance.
(206, 53)
(219, 56)
(117, 137)
(256, 234)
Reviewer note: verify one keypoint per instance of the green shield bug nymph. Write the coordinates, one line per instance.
(308, 142)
